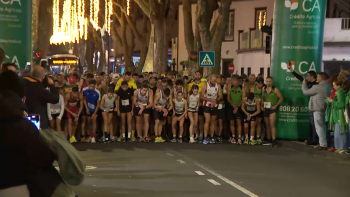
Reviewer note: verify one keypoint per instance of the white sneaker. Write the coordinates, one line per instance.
(93, 140)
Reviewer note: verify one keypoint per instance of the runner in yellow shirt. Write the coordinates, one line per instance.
(127, 78)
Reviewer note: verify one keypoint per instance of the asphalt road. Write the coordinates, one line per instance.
(195, 170)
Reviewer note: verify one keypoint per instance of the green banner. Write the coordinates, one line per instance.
(298, 27)
(15, 30)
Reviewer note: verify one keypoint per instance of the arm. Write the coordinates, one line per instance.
(229, 97)
(156, 101)
(299, 77)
(185, 112)
(340, 103)
(257, 108)
(262, 100)
(173, 107)
(220, 97)
(102, 102)
(62, 107)
(49, 111)
(117, 103)
(280, 97)
(61, 92)
(46, 96)
(243, 109)
(134, 99)
(97, 107)
(117, 86)
(150, 100)
(202, 94)
(81, 103)
(171, 104)
(309, 92)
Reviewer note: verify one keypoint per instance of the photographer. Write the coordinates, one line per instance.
(37, 95)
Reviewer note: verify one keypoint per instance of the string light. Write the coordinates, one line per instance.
(128, 7)
(259, 23)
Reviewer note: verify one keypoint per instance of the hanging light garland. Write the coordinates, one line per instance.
(128, 7)
(72, 25)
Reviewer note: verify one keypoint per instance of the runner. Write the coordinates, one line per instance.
(73, 110)
(92, 98)
(143, 101)
(258, 95)
(221, 110)
(55, 112)
(198, 81)
(179, 87)
(234, 97)
(125, 108)
(251, 108)
(163, 104)
(180, 114)
(250, 86)
(272, 98)
(193, 105)
(108, 102)
(210, 95)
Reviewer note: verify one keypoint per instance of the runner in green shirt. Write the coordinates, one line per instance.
(272, 98)
(234, 98)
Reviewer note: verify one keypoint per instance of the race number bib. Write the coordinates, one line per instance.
(91, 106)
(68, 90)
(220, 106)
(193, 105)
(125, 102)
(73, 104)
(267, 105)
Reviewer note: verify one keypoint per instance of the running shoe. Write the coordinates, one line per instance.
(72, 140)
(138, 139)
(253, 142)
(332, 150)
(179, 140)
(112, 138)
(212, 141)
(146, 140)
(239, 141)
(258, 142)
(173, 140)
(133, 138)
(120, 138)
(266, 143)
(196, 138)
(88, 140)
(123, 139)
(156, 140)
(246, 141)
(192, 141)
(348, 152)
(93, 140)
(274, 143)
(233, 140)
(206, 141)
(161, 140)
(342, 152)
(219, 140)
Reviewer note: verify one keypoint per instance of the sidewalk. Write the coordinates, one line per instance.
(301, 147)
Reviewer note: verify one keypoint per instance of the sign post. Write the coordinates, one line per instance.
(206, 59)
(15, 34)
(298, 27)
(231, 68)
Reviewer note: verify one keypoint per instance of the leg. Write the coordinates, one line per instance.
(181, 127)
(258, 126)
(156, 125)
(129, 119)
(139, 126)
(105, 121)
(52, 124)
(246, 128)
(206, 124)
(190, 116)
(195, 124)
(75, 125)
(268, 128)
(58, 124)
(70, 129)
(221, 126)
(110, 123)
(94, 126)
(252, 129)
(122, 127)
(272, 125)
(83, 126)
(174, 121)
(146, 124)
(239, 126)
(319, 123)
(232, 128)
(212, 125)
(201, 125)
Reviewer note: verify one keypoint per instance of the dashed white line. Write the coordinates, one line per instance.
(213, 182)
(228, 181)
(200, 173)
(182, 162)
(171, 155)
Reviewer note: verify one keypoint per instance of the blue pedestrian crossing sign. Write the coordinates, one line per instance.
(206, 58)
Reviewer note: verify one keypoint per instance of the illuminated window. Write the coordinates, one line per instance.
(260, 18)
(229, 34)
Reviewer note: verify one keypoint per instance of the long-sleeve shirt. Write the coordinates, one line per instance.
(57, 108)
(317, 94)
(309, 84)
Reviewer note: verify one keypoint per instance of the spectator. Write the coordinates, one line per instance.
(317, 106)
(28, 159)
(23, 73)
(37, 96)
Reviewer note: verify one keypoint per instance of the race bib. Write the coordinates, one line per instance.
(220, 106)
(91, 106)
(73, 104)
(193, 105)
(125, 102)
(68, 90)
(267, 105)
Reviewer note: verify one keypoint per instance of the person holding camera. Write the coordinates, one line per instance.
(38, 95)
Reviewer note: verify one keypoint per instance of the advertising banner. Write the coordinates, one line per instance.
(298, 27)
(15, 30)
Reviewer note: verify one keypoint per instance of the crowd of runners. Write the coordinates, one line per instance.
(160, 108)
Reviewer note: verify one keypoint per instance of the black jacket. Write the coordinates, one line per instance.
(37, 98)
(26, 158)
(301, 78)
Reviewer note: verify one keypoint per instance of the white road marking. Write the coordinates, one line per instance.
(200, 173)
(182, 162)
(171, 155)
(228, 181)
(213, 182)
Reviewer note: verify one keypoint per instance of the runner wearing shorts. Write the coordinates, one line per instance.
(179, 115)
(193, 104)
(234, 97)
(125, 108)
(108, 102)
(143, 101)
(211, 94)
(163, 104)
(251, 109)
(74, 107)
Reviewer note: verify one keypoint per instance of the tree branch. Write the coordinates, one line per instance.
(144, 7)
(132, 24)
(204, 23)
(188, 26)
(213, 28)
(115, 32)
(222, 22)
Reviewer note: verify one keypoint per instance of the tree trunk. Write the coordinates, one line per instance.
(149, 61)
(187, 15)
(161, 48)
(45, 28)
(90, 49)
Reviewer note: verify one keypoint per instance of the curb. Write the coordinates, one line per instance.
(301, 147)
